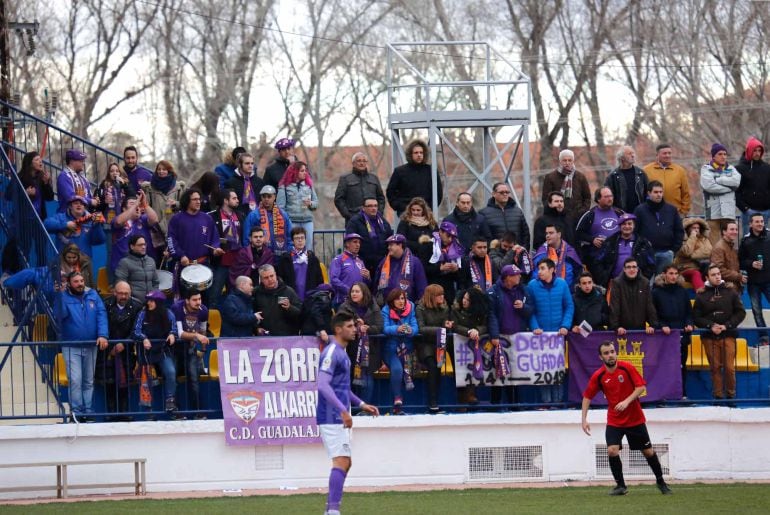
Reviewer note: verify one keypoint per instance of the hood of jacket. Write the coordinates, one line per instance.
(660, 281)
(751, 145)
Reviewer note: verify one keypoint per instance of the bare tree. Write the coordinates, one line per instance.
(207, 54)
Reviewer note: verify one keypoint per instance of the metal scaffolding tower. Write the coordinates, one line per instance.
(443, 87)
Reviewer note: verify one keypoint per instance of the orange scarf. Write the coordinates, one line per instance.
(277, 233)
(554, 256)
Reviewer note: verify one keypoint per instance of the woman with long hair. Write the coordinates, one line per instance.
(113, 191)
(435, 324)
(155, 332)
(37, 184)
(211, 198)
(400, 327)
(417, 225)
(297, 197)
(163, 194)
(471, 318)
(72, 260)
(365, 353)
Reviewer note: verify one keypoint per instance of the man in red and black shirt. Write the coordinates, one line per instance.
(622, 385)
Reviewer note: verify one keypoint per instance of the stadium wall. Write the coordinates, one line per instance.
(703, 443)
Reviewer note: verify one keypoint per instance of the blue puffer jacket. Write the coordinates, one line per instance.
(90, 234)
(553, 305)
(238, 315)
(82, 318)
(391, 326)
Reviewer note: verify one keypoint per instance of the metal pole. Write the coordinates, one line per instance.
(5, 77)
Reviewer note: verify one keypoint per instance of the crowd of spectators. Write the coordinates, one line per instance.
(619, 265)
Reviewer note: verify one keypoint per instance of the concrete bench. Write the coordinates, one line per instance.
(62, 486)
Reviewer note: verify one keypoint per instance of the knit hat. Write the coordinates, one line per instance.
(717, 147)
(509, 270)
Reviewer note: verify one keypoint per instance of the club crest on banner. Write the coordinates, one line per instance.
(245, 404)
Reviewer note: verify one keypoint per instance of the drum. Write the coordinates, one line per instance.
(166, 280)
(196, 277)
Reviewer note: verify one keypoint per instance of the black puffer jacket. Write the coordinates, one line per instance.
(510, 218)
(275, 170)
(470, 225)
(591, 307)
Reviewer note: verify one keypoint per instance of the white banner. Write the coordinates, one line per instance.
(532, 360)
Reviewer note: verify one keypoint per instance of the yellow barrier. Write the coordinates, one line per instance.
(697, 359)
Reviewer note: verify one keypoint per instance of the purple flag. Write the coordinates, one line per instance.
(268, 388)
(655, 356)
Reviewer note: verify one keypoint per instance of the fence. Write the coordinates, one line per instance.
(41, 391)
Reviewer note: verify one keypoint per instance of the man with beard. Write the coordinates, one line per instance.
(83, 322)
(192, 234)
(572, 184)
(470, 224)
(284, 149)
(76, 225)
(413, 179)
(229, 223)
(725, 256)
(659, 222)
(354, 188)
(248, 259)
(137, 175)
(622, 385)
(113, 364)
(191, 319)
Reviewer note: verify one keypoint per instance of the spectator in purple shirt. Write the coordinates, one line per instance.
(138, 175)
(300, 268)
(192, 234)
(400, 269)
(347, 268)
(136, 217)
(72, 181)
(191, 321)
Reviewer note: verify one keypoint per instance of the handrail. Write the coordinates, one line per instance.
(56, 127)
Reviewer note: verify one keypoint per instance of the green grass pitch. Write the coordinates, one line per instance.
(644, 499)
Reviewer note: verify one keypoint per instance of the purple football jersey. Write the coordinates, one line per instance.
(336, 363)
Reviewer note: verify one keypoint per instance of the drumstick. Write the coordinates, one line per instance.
(209, 246)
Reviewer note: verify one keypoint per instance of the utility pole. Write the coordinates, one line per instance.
(5, 73)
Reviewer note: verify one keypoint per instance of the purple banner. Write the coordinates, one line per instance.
(268, 388)
(655, 356)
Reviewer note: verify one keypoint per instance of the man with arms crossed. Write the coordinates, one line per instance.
(333, 411)
(622, 385)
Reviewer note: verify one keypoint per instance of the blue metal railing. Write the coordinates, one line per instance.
(42, 393)
(31, 133)
(326, 244)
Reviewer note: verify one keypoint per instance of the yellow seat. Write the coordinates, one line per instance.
(103, 282)
(40, 329)
(213, 374)
(448, 369)
(215, 322)
(60, 371)
(697, 359)
(325, 273)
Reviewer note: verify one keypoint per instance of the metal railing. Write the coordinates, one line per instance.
(27, 132)
(327, 243)
(43, 392)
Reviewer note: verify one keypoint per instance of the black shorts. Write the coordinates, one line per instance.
(638, 437)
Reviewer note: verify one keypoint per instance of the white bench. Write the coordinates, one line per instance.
(62, 486)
